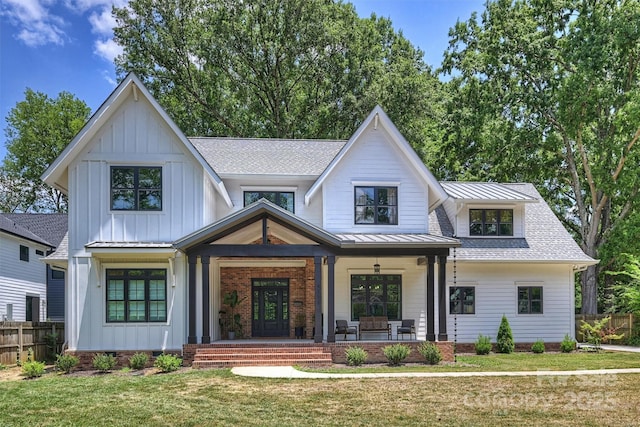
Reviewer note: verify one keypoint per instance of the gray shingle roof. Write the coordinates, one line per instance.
(546, 239)
(256, 156)
(49, 227)
(485, 192)
(10, 226)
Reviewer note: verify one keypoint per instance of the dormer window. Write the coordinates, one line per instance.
(284, 199)
(136, 188)
(376, 205)
(491, 222)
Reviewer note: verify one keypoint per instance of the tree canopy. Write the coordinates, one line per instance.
(276, 68)
(549, 92)
(37, 131)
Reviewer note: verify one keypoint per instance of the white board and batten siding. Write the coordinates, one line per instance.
(19, 279)
(135, 136)
(496, 293)
(374, 160)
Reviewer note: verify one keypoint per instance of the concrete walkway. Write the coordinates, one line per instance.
(291, 372)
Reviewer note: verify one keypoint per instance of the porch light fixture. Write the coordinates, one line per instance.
(376, 267)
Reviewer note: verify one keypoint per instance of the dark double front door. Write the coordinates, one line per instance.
(270, 308)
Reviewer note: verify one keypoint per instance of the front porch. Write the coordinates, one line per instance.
(228, 353)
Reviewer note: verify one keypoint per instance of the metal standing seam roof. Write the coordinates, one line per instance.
(546, 239)
(485, 192)
(405, 239)
(266, 156)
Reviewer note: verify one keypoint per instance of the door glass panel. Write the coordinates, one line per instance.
(270, 305)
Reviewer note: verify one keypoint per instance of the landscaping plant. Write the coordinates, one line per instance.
(356, 356)
(104, 362)
(33, 369)
(504, 340)
(483, 344)
(568, 344)
(138, 361)
(66, 362)
(538, 347)
(396, 353)
(598, 333)
(167, 362)
(431, 353)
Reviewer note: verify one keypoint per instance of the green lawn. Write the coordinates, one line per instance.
(516, 362)
(216, 397)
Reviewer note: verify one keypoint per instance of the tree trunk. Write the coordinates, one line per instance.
(589, 287)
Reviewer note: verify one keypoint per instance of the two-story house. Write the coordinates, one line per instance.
(163, 227)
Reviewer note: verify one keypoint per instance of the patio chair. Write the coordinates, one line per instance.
(342, 327)
(407, 327)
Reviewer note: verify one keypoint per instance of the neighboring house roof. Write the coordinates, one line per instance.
(265, 156)
(546, 239)
(378, 117)
(46, 229)
(50, 227)
(55, 175)
(485, 192)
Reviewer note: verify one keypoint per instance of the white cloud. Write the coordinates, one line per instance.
(102, 23)
(36, 26)
(107, 49)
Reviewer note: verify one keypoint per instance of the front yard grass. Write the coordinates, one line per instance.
(217, 397)
(511, 362)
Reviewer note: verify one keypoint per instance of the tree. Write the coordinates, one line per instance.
(283, 69)
(38, 129)
(549, 92)
(504, 340)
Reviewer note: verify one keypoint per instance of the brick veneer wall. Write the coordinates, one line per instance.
(376, 355)
(301, 289)
(520, 346)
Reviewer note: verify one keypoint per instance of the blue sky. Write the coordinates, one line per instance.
(52, 46)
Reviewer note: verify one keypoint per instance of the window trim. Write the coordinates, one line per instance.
(147, 276)
(529, 288)
(375, 205)
(24, 253)
(136, 188)
(462, 312)
(385, 292)
(498, 223)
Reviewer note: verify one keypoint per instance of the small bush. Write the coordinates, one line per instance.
(167, 362)
(483, 344)
(504, 340)
(66, 362)
(2, 367)
(396, 353)
(568, 344)
(138, 361)
(104, 362)
(32, 369)
(538, 347)
(633, 341)
(356, 356)
(430, 352)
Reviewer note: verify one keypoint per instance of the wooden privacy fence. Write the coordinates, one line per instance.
(622, 321)
(16, 338)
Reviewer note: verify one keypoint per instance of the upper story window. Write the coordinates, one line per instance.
(24, 253)
(491, 222)
(136, 188)
(376, 205)
(284, 199)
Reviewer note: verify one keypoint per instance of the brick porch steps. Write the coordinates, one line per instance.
(230, 355)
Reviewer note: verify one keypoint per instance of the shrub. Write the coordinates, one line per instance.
(396, 353)
(483, 344)
(104, 362)
(2, 367)
(167, 362)
(568, 344)
(538, 347)
(430, 352)
(356, 356)
(66, 362)
(504, 340)
(138, 361)
(32, 369)
(633, 341)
